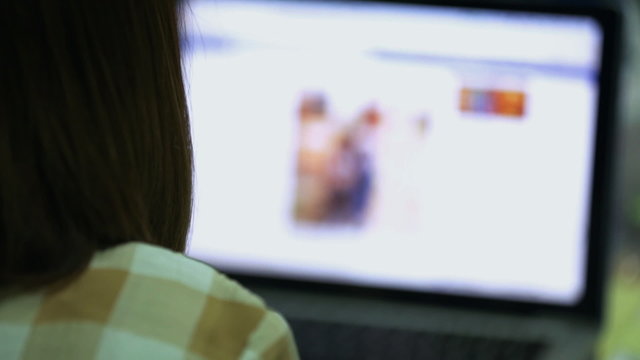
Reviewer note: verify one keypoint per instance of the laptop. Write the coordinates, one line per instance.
(408, 180)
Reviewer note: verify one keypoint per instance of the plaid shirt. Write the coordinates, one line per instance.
(138, 301)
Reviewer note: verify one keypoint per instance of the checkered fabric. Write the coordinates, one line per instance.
(138, 301)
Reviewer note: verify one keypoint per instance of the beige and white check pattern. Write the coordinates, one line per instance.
(138, 301)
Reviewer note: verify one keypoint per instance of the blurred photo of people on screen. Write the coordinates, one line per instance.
(339, 165)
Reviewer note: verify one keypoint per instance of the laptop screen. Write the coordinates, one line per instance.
(404, 147)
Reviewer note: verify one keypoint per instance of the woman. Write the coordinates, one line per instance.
(95, 194)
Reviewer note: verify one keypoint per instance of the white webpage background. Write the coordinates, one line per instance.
(508, 200)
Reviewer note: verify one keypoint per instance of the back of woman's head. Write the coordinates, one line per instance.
(94, 137)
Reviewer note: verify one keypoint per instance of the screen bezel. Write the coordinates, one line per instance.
(591, 303)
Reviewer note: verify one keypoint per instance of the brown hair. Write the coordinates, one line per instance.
(95, 145)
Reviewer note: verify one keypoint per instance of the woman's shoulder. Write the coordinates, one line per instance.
(156, 302)
(216, 313)
(152, 266)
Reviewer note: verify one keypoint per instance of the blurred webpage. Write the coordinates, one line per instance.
(394, 146)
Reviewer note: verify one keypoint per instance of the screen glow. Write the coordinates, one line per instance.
(403, 147)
